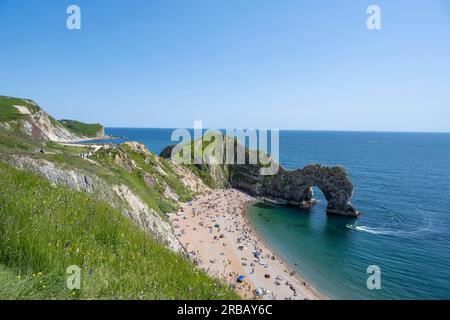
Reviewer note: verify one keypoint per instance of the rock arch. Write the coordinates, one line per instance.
(295, 188)
(288, 187)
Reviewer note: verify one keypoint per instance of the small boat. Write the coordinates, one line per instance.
(352, 226)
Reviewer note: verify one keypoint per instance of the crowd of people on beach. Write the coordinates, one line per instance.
(219, 239)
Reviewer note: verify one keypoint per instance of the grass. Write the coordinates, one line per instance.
(68, 157)
(44, 229)
(149, 163)
(153, 196)
(13, 142)
(18, 287)
(9, 113)
(200, 170)
(7, 110)
(82, 129)
(72, 150)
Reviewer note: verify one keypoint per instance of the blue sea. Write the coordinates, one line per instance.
(402, 186)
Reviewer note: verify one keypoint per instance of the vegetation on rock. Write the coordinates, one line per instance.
(44, 229)
(84, 129)
(101, 208)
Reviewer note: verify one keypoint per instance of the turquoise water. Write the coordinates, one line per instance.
(402, 185)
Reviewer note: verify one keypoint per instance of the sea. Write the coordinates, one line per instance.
(399, 248)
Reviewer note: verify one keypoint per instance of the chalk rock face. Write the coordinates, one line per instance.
(78, 179)
(38, 124)
(101, 133)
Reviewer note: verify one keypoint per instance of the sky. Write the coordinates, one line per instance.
(273, 64)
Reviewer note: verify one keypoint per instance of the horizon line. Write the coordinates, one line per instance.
(293, 130)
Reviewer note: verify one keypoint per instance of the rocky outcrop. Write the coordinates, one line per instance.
(41, 126)
(74, 178)
(293, 188)
(26, 117)
(124, 161)
(84, 130)
(101, 133)
(128, 177)
(138, 147)
(33, 121)
(118, 196)
(147, 218)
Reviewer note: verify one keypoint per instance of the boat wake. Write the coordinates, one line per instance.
(379, 231)
(400, 227)
(373, 230)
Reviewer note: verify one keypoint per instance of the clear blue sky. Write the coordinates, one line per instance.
(309, 65)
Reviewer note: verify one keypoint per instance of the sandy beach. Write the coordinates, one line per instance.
(218, 238)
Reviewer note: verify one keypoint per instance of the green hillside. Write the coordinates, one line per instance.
(10, 114)
(7, 110)
(82, 129)
(44, 229)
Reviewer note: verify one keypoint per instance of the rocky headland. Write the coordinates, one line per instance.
(285, 187)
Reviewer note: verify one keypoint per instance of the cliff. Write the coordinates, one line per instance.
(133, 180)
(286, 187)
(84, 130)
(26, 117)
(99, 207)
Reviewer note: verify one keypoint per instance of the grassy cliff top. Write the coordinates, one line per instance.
(44, 229)
(8, 111)
(82, 129)
(12, 110)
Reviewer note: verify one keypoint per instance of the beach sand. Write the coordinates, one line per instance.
(219, 239)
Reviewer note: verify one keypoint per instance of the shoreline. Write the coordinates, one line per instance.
(299, 277)
(87, 139)
(215, 231)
